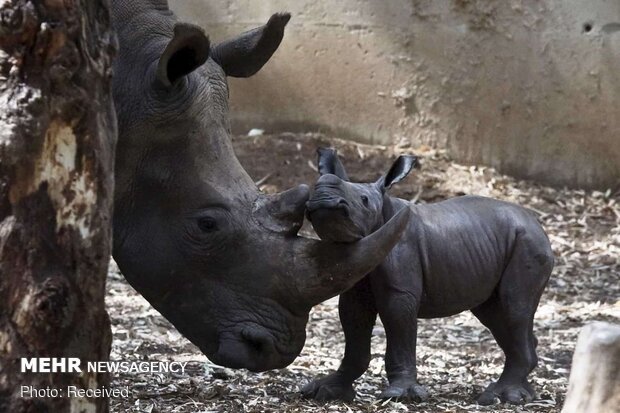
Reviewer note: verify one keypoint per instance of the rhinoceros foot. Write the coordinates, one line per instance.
(405, 390)
(509, 393)
(331, 387)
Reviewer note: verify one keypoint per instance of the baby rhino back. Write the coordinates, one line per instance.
(464, 246)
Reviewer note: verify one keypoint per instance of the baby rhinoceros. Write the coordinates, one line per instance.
(467, 253)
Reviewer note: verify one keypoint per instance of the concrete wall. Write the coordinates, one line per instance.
(531, 87)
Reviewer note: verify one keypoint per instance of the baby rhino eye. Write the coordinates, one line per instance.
(207, 224)
(365, 200)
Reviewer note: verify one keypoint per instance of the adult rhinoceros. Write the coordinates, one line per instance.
(192, 233)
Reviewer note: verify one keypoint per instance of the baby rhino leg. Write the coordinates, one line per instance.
(509, 315)
(513, 332)
(357, 312)
(398, 311)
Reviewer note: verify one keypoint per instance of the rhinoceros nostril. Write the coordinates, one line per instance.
(343, 206)
(257, 340)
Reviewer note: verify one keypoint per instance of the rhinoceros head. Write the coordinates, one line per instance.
(345, 211)
(192, 233)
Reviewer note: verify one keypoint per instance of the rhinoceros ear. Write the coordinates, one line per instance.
(329, 163)
(399, 170)
(244, 55)
(188, 49)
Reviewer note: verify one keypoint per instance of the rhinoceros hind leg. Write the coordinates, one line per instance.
(509, 314)
(519, 345)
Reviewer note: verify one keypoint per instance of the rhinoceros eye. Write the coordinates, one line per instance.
(207, 224)
(365, 200)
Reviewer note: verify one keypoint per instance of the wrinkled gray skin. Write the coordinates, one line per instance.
(468, 253)
(192, 233)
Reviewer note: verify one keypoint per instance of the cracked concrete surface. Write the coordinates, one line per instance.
(529, 87)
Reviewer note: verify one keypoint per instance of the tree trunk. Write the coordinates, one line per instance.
(594, 384)
(57, 136)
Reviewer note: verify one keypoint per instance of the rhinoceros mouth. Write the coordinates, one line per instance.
(329, 203)
(334, 224)
(255, 355)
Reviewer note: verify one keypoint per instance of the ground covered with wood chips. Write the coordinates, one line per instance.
(457, 356)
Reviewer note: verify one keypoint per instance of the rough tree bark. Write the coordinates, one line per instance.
(594, 384)
(57, 136)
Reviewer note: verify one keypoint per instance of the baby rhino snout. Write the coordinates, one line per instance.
(328, 194)
(334, 202)
(330, 212)
(334, 224)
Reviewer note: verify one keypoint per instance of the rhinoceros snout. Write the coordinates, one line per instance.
(328, 202)
(334, 224)
(251, 348)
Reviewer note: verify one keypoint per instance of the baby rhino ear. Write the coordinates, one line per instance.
(329, 163)
(399, 170)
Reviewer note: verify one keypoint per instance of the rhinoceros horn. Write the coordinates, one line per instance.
(319, 269)
(328, 268)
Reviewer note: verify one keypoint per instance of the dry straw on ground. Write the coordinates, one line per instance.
(457, 357)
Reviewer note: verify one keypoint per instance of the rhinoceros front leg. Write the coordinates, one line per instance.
(358, 313)
(397, 296)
